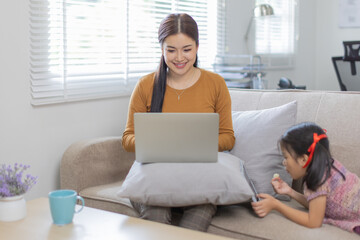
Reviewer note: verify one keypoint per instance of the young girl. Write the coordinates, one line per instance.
(331, 193)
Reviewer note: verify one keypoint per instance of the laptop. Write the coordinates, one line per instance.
(176, 137)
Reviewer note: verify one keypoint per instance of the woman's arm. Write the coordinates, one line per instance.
(139, 102)
(311, 219)
(223, 107)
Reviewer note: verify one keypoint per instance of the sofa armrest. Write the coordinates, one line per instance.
(94, 162)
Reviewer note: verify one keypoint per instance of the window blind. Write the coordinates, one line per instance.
(88, 49)
(275, 35)
(221, 27)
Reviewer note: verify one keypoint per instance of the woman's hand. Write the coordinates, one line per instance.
(281, 187)
(265, 205)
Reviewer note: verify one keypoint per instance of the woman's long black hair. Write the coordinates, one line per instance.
(172, 24)
(297, 141)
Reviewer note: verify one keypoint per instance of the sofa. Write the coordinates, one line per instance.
(96, 168)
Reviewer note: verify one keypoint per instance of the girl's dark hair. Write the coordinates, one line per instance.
(172, 24)
(297, 141)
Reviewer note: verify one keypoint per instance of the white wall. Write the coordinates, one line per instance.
(329, 38)
(320, 38)
(39, 135)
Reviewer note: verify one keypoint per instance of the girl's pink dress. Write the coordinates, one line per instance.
(342, 199)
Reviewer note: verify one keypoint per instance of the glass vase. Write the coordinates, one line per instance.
(12, 208)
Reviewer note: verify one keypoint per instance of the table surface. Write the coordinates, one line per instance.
(90, 224)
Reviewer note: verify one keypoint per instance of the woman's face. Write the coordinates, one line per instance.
(179, 52)
(294, 166)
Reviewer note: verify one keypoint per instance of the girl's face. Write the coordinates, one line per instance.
(179, 52)
(294, 166)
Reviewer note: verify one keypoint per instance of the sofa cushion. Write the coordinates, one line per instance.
(105, 197)
(239, 221)
(184, 184)
(257, 133)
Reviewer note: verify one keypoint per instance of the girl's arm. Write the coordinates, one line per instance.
(282, 187)
(300, 198)
(312, 219)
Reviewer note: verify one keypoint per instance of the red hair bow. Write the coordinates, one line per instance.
(311, 149)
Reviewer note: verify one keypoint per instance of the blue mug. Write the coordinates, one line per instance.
(62, 206)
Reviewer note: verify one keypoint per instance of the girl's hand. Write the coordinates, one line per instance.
(281, 187)
(265, 205)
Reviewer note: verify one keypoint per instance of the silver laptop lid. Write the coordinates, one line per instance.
(176, 137)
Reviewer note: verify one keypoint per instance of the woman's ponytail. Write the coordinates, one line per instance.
(159, 87)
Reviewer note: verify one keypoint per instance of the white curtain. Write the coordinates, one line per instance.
(275, 36)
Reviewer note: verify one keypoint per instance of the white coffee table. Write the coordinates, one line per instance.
(91, 224)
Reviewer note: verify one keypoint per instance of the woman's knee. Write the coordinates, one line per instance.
(153, 213)
(198, 217)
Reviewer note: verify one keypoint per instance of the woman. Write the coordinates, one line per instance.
(180, 86)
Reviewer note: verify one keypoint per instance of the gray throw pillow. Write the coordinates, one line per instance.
(257, 133)
(186, 184)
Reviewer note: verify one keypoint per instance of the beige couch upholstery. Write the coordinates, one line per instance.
(96, 168)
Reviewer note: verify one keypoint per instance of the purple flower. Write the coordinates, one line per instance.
(4, 191)
(12, 182)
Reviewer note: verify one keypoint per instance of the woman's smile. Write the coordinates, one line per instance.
(180, 65)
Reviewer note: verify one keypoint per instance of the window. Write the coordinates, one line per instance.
(87, 49)
(275, 36)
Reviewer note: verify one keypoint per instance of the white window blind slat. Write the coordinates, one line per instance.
(89, 49)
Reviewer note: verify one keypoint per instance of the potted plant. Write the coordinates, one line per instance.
(13, 186)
